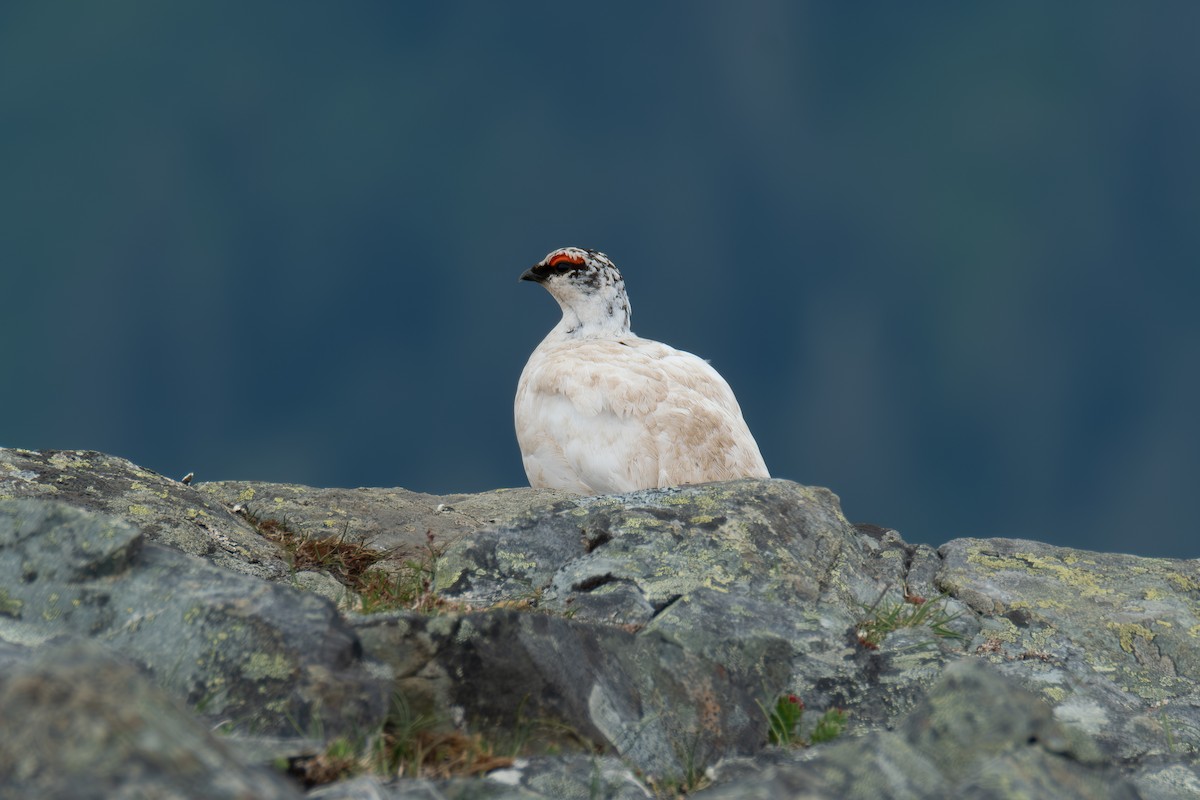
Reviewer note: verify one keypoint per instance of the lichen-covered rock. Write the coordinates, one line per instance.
(660, 706)
(165, 510)
(579, 777)
(79, 723)
(660, 628)
(386, 519)
(1113, 641)
(259, 655)
(570, 777)
(761, 581)
(769, 538)
(976, 734)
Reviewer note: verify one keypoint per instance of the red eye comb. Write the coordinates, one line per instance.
(564, 258)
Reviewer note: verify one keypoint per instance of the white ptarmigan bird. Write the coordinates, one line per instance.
(602, 411)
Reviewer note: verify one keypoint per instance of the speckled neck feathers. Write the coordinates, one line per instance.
(590, 291)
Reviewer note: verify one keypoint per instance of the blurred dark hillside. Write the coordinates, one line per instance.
(947, 255)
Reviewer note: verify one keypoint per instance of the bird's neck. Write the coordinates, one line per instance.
(606, 319)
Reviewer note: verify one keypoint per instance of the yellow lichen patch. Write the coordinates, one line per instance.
(635, 523)
(1056, 694)
(994, 563)
(1046, 604)
(701, 519)
(10, 606)
(139, 510)
(1182, 581)
(1087, 583)
(715, 583)
(1127, 631)
(1194, 631)
(521, 562)
(1153, 593)
(263, 665)
(246, 495)
(1043, 639)
(1001, 629)
(707, 502)
(52, 612)
(137, 486)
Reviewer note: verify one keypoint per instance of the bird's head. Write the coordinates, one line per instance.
(588, 287)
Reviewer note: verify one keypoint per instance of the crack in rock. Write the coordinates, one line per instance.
(594, 582)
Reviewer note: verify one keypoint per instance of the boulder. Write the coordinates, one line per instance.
(601, 647)
(666, 618)
(165, 511)
(90, 725)
(256, 655)
(386, 519)
(1111, 640)
(976, 734)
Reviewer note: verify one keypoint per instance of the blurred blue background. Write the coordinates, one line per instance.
(945, 254)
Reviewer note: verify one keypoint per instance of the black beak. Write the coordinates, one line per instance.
(532, 274)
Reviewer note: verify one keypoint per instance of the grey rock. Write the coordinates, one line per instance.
(578, 777)
(258, 655)
(768, 537)
(758, 581)
(976, 734)
(366, 787)
(461, 789)
(657, 628)
(1165, 781)
(79, 723)
(12, 655)
(387, 519)
(325, 585)
(657, 704)
(165, 510)
(1111, 641)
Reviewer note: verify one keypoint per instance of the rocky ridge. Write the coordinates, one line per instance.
(209, 640)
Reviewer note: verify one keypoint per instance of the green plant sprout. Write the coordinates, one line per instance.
(785, 719)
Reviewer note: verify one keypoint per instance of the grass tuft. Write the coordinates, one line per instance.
(380, 580)
(410, 745)
(914, 612)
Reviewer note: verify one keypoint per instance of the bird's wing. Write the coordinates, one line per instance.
(702, 435)
(617, 415)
